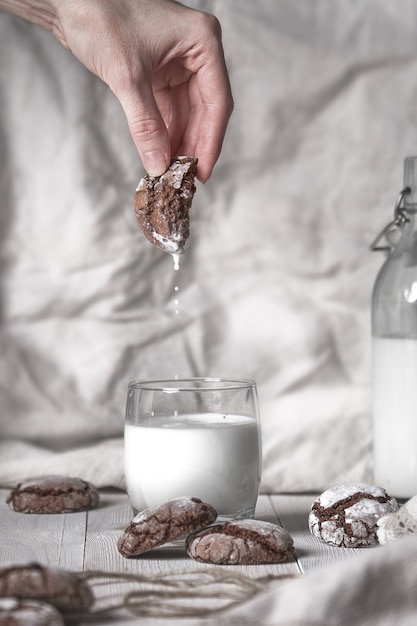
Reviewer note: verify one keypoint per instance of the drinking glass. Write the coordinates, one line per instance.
(196, 437)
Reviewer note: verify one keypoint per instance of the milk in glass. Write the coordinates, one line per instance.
(214, 457)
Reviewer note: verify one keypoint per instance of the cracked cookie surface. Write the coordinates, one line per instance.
(240, 542)
(61, 588)
(346, 515)
(53, 494)
(162, 205)
(158, 525)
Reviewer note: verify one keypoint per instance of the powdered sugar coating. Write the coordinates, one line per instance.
(179, 506)
(337, 493)
(162, 205)
(261, 527)
(240, 542)
(53, 494)
(158, 525)
(347, 515)
(399, 523)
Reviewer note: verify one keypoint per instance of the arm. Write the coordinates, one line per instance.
(163, 61)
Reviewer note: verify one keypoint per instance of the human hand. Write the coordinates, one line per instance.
(165, 64)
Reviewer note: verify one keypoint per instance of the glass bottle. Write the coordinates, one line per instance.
(394, 348)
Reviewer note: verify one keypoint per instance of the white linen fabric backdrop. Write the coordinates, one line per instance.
(277, 277)
(276, 281)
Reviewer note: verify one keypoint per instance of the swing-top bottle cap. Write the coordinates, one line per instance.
(410, 182)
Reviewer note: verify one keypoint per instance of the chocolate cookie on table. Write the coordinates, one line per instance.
(53, 494)
(240, 542)
(17, 612)
(162, 205)
(347, 515)
(32, 581)
(158, 525)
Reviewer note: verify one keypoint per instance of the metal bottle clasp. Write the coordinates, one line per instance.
(400, 218)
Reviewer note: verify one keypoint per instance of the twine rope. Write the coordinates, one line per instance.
(187, 593)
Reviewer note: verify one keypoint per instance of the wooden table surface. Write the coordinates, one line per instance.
(85, 542)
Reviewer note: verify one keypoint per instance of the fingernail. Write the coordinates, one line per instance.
(154, 162)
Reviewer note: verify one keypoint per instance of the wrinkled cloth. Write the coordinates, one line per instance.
(376, 588)
(276, 281)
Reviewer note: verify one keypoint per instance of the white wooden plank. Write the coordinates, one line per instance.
(71, 554)
(311, 553)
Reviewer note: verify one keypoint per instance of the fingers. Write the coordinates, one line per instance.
(205, 131)
(178, 102)
(211, 105)
(147, 128)
(174, 104)
(207, 125)
(196, 117)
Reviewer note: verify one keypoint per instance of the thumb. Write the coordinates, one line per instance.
(148, 131)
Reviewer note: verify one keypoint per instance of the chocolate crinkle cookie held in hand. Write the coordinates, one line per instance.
(347, 515)
(162, 205)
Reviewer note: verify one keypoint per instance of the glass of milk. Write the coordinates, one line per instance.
(196, 437)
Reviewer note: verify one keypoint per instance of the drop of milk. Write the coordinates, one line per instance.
(176, 288)
(176, 259)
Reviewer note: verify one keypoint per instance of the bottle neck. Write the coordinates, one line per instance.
(410, 199)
